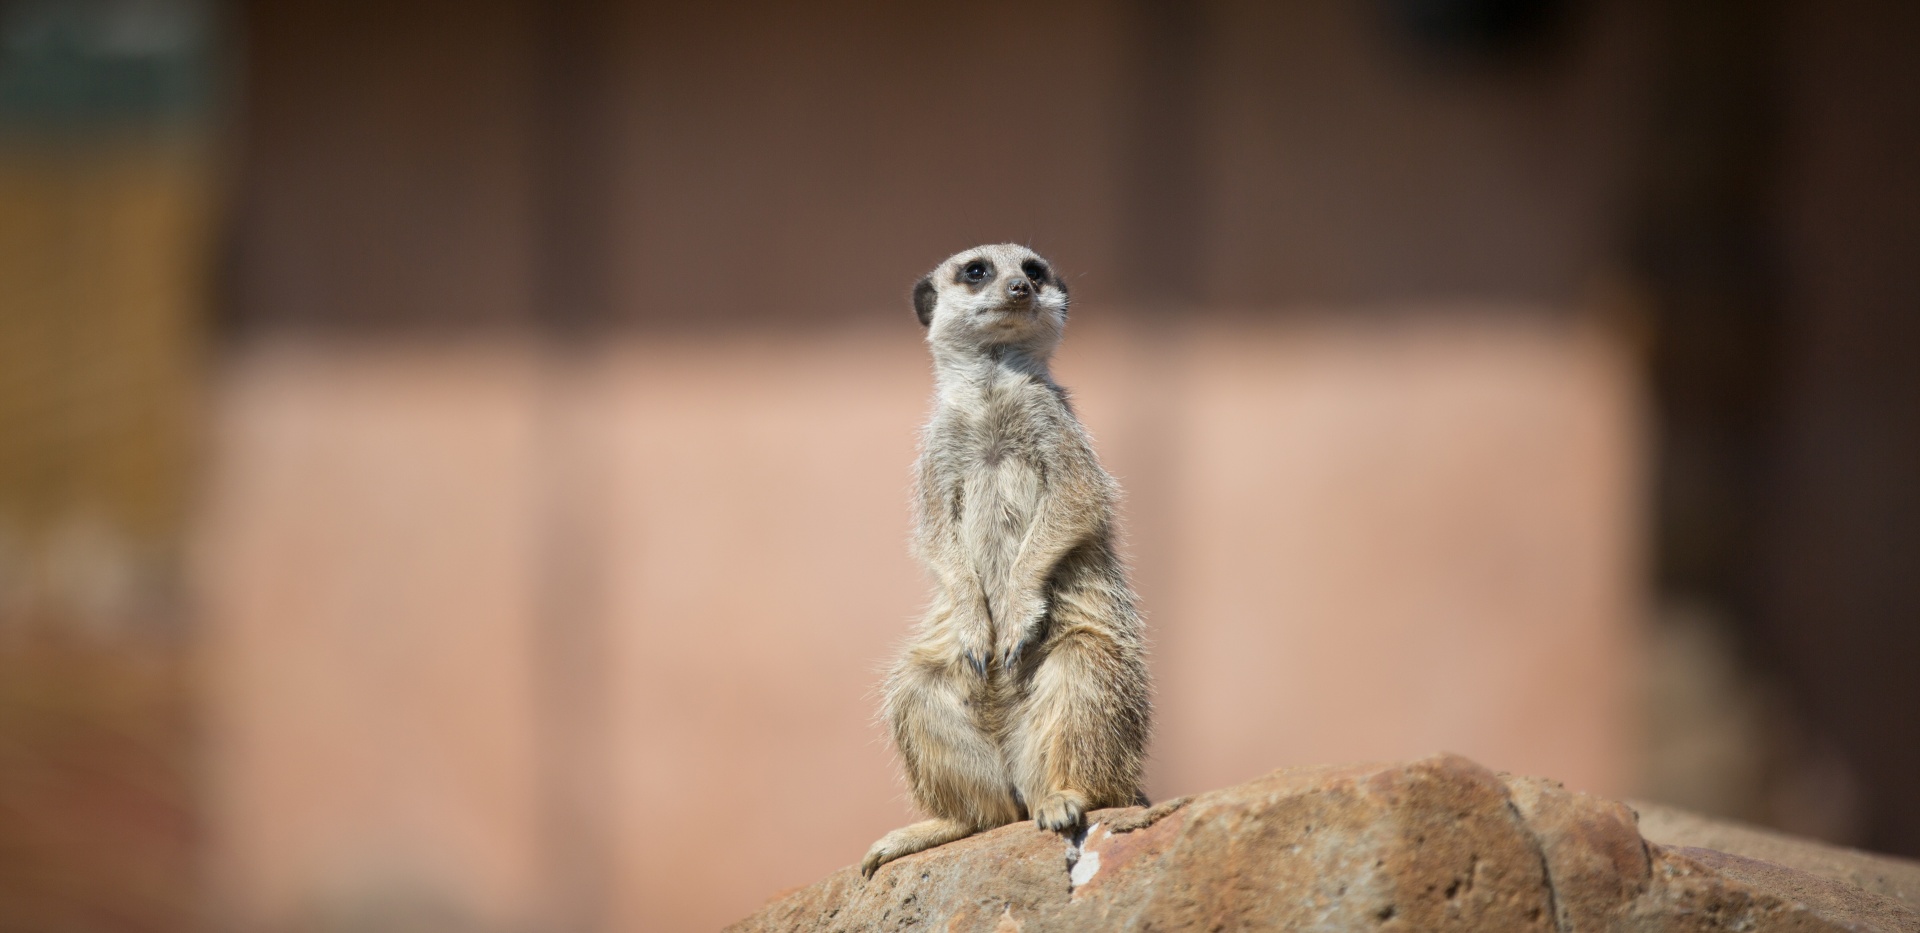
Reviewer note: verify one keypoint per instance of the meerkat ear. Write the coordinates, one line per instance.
(923, 298)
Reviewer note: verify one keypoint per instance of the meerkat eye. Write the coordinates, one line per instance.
(974, 272)
(1035, 270)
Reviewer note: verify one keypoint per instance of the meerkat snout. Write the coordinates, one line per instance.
(1019, 289)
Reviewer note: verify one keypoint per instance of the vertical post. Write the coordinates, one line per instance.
(571, 160)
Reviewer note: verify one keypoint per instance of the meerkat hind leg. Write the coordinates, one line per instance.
(1071, 758)
(907, 840)
(954, 770)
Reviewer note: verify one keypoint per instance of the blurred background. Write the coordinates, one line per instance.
(454, 457)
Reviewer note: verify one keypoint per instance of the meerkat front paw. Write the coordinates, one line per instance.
(974, 652)
(1009, 655)
(973, 634)
(1015, 639)
(1060, 812)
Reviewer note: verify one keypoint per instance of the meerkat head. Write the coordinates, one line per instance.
(1001, 296)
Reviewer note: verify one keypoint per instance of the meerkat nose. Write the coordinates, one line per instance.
(1019, 288)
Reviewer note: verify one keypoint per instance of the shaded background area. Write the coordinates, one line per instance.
(454, 457)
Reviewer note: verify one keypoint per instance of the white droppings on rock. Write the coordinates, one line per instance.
(1078, 843)
(1085, 869)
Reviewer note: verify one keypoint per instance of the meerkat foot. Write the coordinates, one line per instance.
(907, 840)
(1145, 817)
(1060, 812)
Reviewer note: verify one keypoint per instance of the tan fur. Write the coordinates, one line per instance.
(1024, 690)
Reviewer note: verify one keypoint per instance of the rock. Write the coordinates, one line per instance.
(1436, 844)
(1877, 874)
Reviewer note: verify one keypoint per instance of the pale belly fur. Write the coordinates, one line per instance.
(996, 512)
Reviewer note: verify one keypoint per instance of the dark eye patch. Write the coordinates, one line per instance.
(974, 273)
(1035, 270)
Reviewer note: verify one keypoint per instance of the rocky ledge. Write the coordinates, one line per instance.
(1436, 844)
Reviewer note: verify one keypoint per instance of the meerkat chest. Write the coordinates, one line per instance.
(1003, 445)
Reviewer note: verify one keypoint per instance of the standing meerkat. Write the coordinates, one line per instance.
(1024, 690)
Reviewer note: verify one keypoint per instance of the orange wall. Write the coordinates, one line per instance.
(1352, 542)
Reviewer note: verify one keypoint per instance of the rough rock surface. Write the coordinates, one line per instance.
(1436, 844)
(1877, 874)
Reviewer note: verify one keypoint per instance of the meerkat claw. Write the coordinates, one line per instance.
(1010, 658)
(1059, 813)
(978, 662)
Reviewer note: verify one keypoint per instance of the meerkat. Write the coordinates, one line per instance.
(1023, 692)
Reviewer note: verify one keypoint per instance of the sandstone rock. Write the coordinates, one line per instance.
(1436, 844)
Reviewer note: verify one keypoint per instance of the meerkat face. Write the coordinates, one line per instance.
(1004, 295)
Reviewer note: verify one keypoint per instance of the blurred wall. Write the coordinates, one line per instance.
(557, 516)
